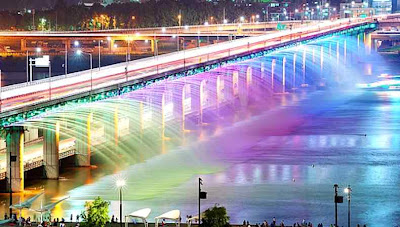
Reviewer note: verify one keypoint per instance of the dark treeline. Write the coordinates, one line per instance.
(128, 15)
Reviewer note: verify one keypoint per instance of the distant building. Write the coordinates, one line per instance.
(351, 9)
(384, 6)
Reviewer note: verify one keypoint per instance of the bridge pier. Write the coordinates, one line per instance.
(23, 45)
(15, 151)
(284, 75)
(83, 143)
(304, 67)
(51, 140)
(294, 71)
(273, 65)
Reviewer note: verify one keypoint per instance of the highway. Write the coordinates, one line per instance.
(223, 29)
(25, 94)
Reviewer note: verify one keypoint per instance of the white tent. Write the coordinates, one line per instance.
(141, 214)
(173, 215)
(194, 219)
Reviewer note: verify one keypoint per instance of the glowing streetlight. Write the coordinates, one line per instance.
(348, 192)
(76, 43)
(120, 184)
(242, 18)
(327, 5)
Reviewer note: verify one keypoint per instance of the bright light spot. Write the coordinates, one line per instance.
(120, 183)
(38, 49)
(296, 10)
(137, 33)
(206, 23)
(146, 41)
(225, 21)
(115, 45)
(76, 43)
(242, 18)
(163, 29)
(79, 52)
(257, 16)
(327, 4)
(186, 27)
(108, 38)
(174, 36)
(347, 190)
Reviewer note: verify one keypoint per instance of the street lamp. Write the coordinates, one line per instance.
(76, 43)
(37, 50)
(348, 192)
(120, 184)
(99, 46)
(80, 52)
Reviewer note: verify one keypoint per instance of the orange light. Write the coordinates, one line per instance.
(133, 17)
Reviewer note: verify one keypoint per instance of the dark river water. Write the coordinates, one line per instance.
(278, 157)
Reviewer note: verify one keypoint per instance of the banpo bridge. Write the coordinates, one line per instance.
(29, 100)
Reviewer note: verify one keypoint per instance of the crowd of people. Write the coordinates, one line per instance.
(274, 223)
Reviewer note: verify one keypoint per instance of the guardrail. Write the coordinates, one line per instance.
(38, 161)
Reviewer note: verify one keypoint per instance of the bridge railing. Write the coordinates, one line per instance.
(20, 95)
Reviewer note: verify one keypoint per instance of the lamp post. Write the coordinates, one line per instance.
(348, 192)
(120, 185)
(80, 52)
(99, 46)
(37, 50)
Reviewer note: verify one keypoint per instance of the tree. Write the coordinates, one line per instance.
(215, 217)
(96, 213)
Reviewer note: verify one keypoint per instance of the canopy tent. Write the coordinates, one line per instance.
(48, 207)
(141, 214)
(194, 219)
(26, 204)
(173, 215)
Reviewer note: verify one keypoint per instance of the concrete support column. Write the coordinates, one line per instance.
(15, 151)
(284, 75)
(273, 64)
(51, 141)
(83, 142)
(294, 71)
(23, 44)
(152, 43)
